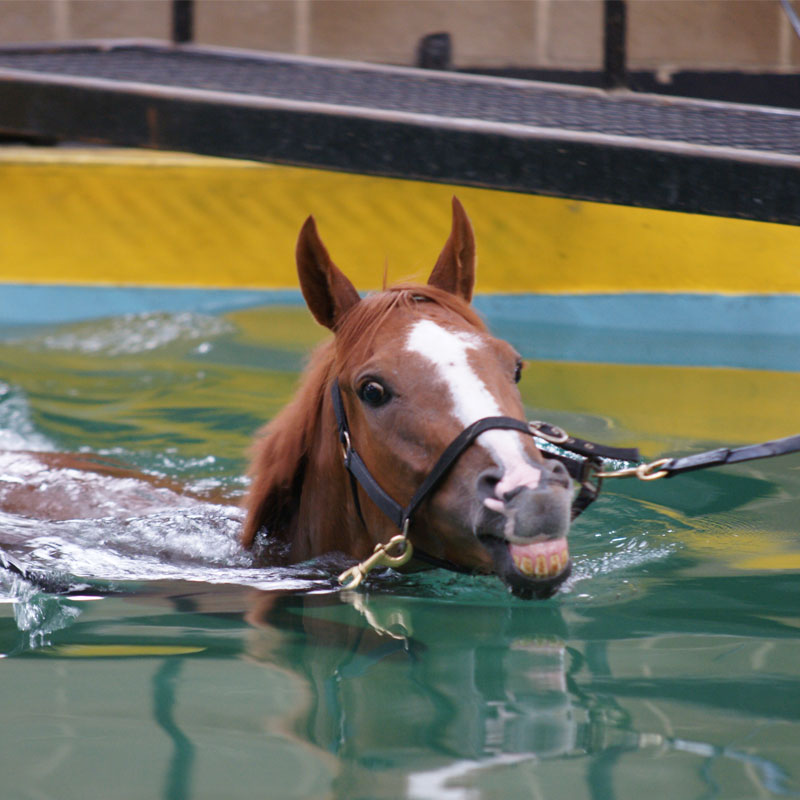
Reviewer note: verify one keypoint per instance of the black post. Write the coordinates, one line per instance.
(182, 21)
(614, 44)
(435, 51)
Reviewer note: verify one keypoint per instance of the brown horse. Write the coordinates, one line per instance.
(414, 366)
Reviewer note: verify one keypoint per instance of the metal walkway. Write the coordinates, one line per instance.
(645, 150)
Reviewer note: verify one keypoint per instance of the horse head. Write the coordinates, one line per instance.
(415, 366)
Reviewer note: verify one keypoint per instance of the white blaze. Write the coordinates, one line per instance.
(447, 351)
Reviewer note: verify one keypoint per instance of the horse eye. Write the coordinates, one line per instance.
(373, 393)
(518, 372)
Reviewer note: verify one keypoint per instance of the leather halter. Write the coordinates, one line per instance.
(590, 457)
(399, 515)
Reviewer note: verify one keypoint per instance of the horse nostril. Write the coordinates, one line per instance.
(487, 482)
(557, 474)
(512, 492)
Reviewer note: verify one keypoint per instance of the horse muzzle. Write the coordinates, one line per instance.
(524, 528)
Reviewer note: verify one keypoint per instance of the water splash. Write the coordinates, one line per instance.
(37, 615)
(17, 430)
(131, 334)
(195, 544)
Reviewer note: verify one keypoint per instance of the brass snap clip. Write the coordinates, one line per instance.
(644, 472)
(383, 556)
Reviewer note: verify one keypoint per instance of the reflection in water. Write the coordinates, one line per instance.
(431, 701)
(178, 783)
(415, 697)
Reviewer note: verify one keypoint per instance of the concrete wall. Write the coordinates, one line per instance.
(662, 34)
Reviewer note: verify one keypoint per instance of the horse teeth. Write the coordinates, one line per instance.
(524, 564)
(542, 565)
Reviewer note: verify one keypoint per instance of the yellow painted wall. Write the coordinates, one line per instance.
(160, 219)
(646, 405)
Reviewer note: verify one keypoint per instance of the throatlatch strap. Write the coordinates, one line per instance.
(358, 469)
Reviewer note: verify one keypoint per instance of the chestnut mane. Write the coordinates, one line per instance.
(280, 454)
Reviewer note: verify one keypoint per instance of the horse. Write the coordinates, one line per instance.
(408, 371)
(53, 487)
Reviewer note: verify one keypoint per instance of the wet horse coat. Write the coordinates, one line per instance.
(415, 365)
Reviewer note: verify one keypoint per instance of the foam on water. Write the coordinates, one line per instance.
(173, 537)
(196, 544)
(130, 334)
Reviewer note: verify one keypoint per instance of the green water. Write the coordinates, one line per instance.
(666, 668)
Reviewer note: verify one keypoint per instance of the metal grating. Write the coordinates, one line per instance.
(437, 94)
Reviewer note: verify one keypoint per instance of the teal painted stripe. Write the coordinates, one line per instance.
(702, 313)
(36, 304)
(751, 332)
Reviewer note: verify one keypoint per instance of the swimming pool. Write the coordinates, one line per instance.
(149, 319)
(668, 665)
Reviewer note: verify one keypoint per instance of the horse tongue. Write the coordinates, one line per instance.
(542, 559)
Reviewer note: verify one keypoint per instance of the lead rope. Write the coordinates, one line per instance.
(588, 471)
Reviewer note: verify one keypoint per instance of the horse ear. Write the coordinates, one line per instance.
(455, 269)
(326, 289)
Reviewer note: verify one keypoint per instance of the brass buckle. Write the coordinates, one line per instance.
(345, 444)
(559, 435)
